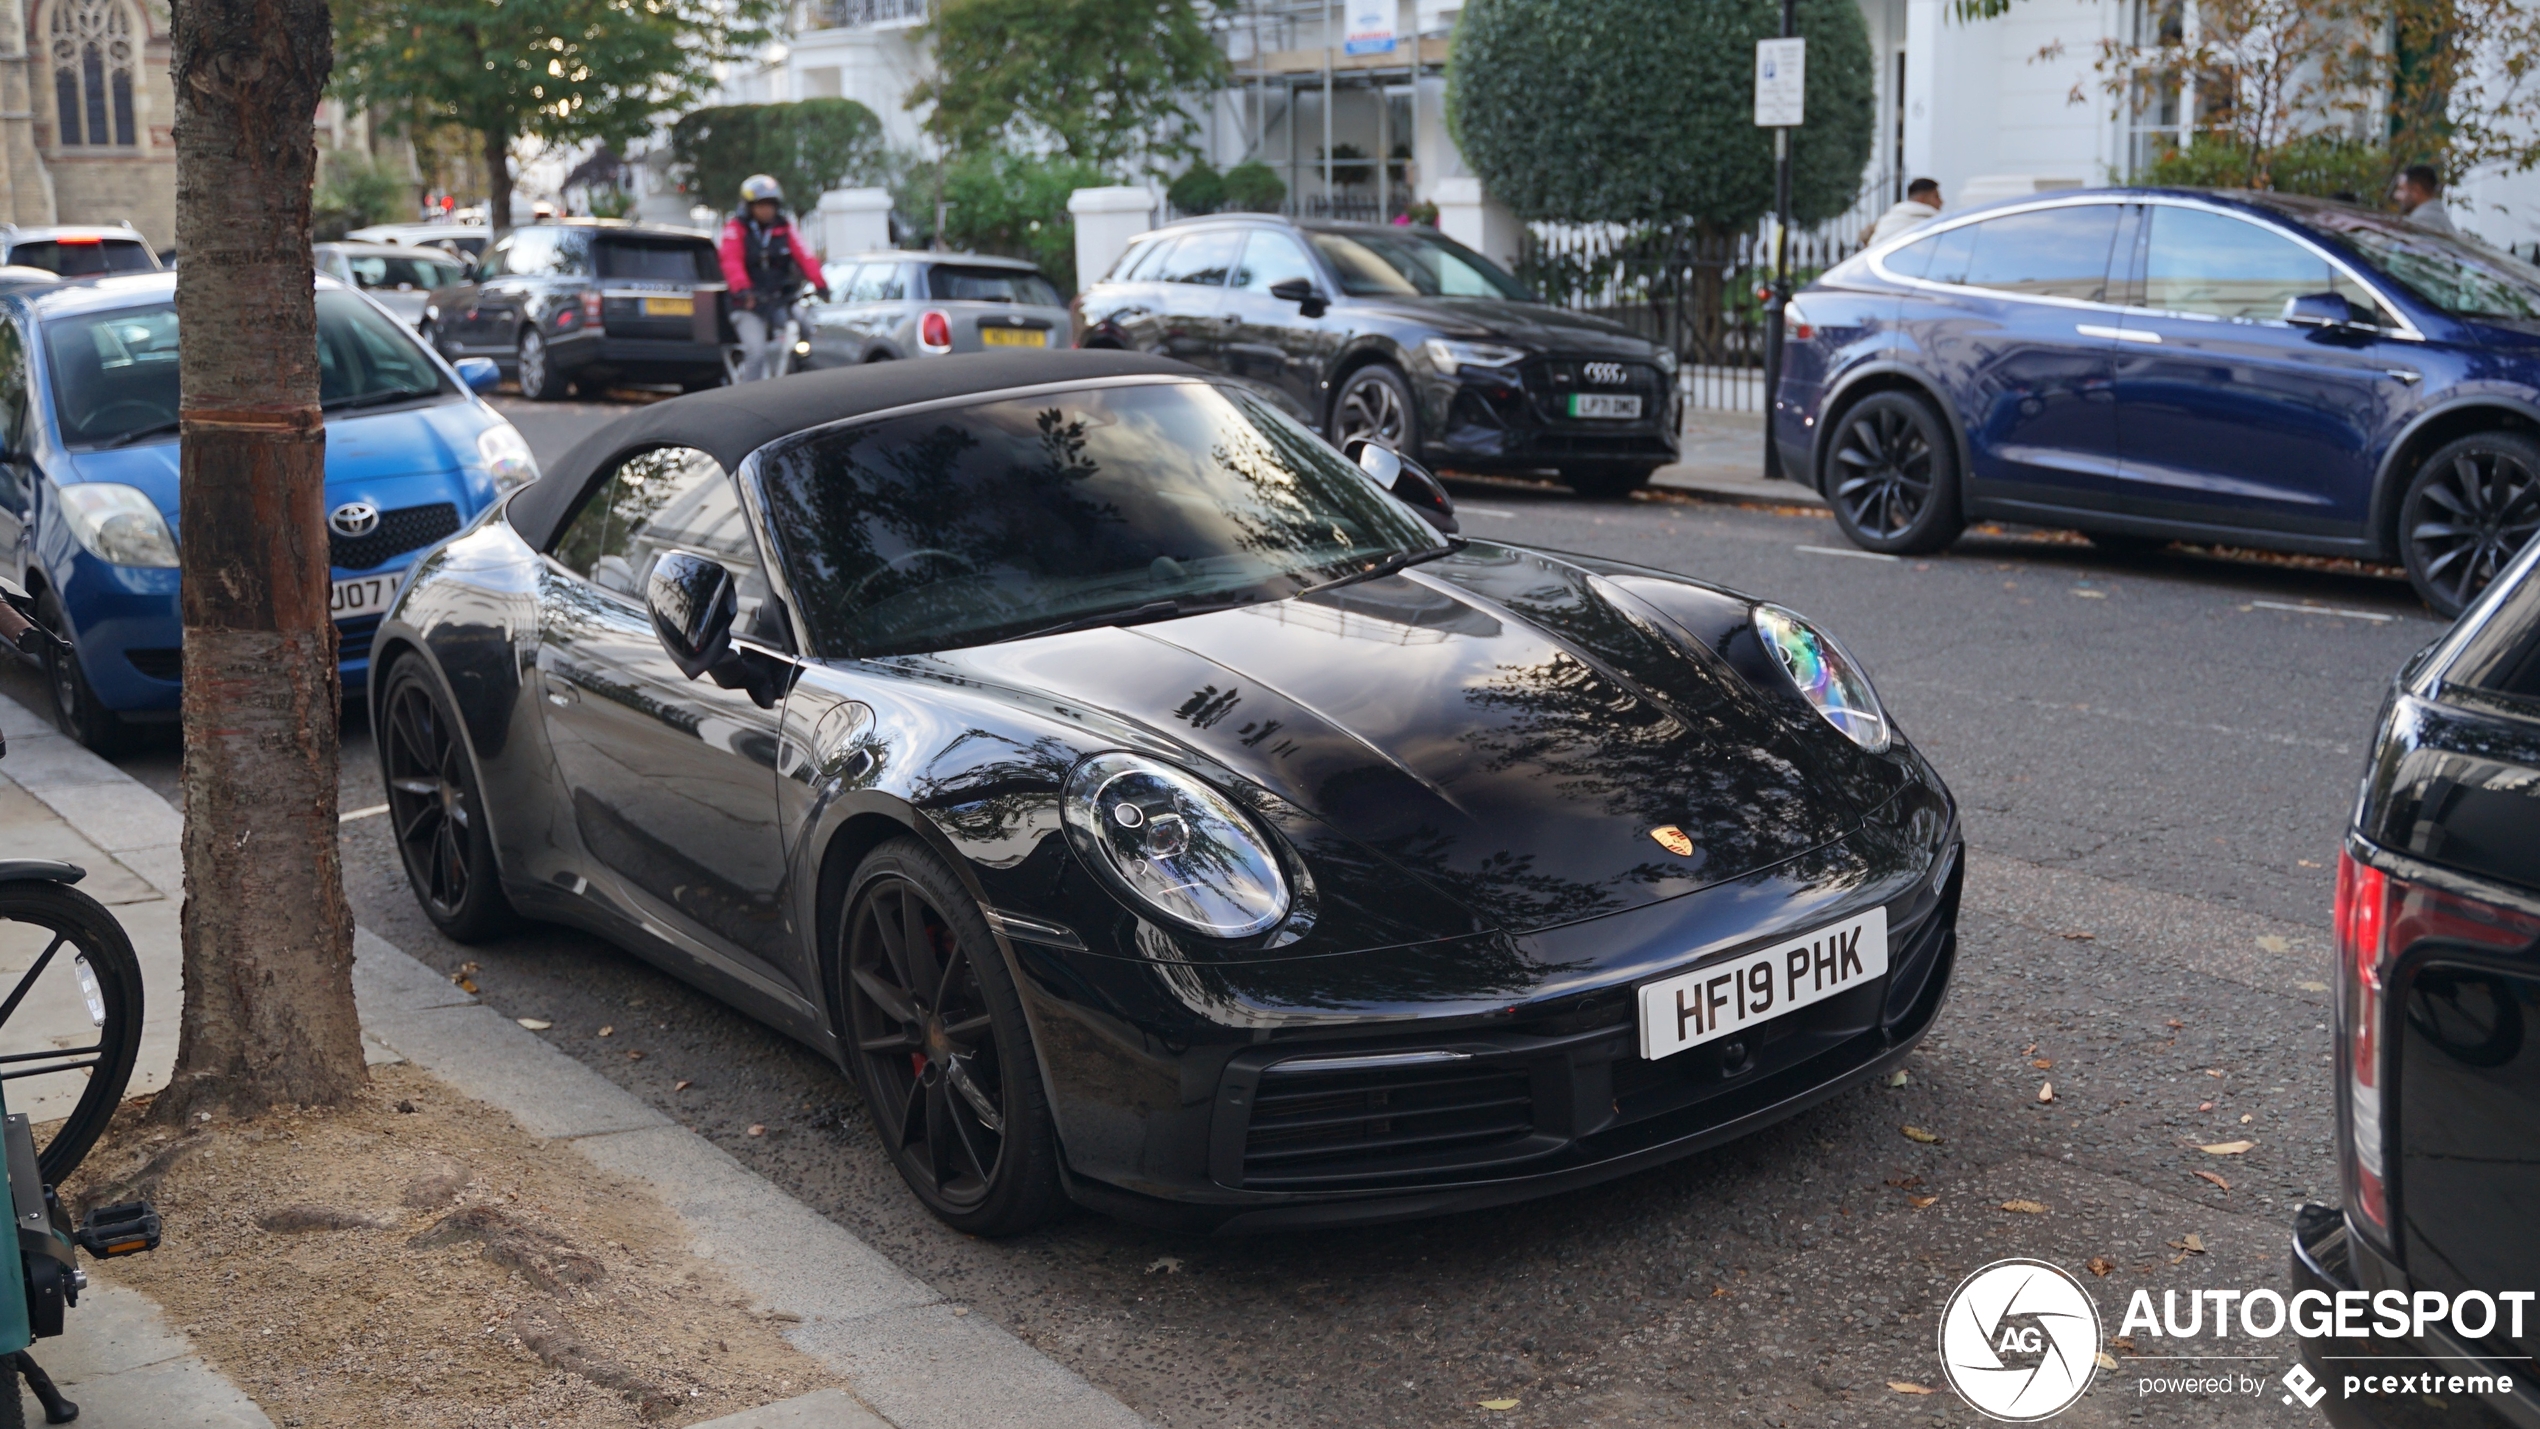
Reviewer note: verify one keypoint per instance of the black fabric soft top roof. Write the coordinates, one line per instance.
(729, 423)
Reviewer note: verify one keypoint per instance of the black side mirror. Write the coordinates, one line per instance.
(1409, 481)
(1303, 293)
(2328, 311)
(693, 603)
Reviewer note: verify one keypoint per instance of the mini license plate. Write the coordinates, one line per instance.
(1013, 337)
(362, 595)
(1723, 998)
(1602, 404)
(670, 307)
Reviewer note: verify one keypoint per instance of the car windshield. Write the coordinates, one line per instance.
(84, 257)
(1413, 263)
(377, 270)
(114, 373)
(956, 284)
(2462, 276)
(955, 528)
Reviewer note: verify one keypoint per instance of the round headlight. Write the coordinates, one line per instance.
(1826, 677)
(1176, 848)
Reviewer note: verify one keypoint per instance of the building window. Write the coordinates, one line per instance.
(93, 69)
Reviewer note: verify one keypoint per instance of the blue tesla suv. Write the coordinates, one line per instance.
(2151, 365)
(88, 501)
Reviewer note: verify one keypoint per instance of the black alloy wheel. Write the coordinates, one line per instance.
(1375, 405)
(436, 810)
(2471, 509)
(1892, 475)
(539, 380)
(940, 1049)
(76, 707)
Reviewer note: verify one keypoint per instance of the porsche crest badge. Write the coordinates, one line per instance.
(1674, 840)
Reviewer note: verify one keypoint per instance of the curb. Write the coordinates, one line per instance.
(908, 1354)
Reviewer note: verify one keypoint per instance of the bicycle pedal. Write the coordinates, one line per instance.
(127, 1229)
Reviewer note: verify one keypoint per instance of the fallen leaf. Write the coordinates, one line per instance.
(2204, 1106)
(1168, 1264)
(2246, 1119)
(2312, 986)
(2105, 1359)
(470, 968)
(2274, 944)
(2026, 1208)
(2046, 1091)
(1907, 1386)
(683, 1086)
(2100, 1265)
(757, 1129)
(1897, 1078)
(2217, 1180)
(634, 1054)
(608, 1031)
(2174, 1024)
(534, 1024)
(2122, 1343)
(1719, 1292)
(1920, 1202)
(1496, 1403)
(464, 984)
(1900, 1182)
(2044, 1064)
(2194, 1244)
(2213, 1071)
(1916, 1133)
(2090, 594)
(2307, 863)
(2082, 937)
(2226, 1148)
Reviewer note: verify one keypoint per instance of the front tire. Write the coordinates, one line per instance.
(1892, 475)
(436, 810)
(76, 707)
(539, 380)
(936, 1035)
(1375, 405)
(2470, 510)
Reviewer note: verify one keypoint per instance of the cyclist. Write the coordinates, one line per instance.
(765, 264)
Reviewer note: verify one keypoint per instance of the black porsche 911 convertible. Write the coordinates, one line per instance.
(1150, 807)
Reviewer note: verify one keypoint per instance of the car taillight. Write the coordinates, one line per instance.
(591, 307)
(934, 332)
(2378, 918)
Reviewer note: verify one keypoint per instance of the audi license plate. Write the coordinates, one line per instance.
(362, 595)
(1013, 337)
(1727, 997)
(670, 307)
(1605, 405)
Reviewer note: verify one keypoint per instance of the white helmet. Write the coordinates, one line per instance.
(761, 186)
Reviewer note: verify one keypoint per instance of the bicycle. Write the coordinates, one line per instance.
(70, 1031)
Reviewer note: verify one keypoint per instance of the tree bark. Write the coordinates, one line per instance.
(498, 182)
(268, 1017)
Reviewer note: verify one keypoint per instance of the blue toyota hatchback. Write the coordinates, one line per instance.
(88, 508)
(2151, 365)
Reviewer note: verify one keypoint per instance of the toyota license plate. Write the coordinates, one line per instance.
(362, 595)
(1013, 337)
(670, 307)
(1727, 997)
(1604, 405)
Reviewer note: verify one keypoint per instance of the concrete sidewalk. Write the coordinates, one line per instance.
(1723, 460)
(911, 1359)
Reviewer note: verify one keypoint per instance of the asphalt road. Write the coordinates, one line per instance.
(2155, 758)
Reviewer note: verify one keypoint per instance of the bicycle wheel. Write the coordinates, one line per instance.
(70, 1018)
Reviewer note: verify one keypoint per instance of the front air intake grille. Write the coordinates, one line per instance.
(1310, 1127)
(353, 637)
(161, 664)
(407, 528)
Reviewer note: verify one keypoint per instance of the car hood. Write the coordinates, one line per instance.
(1502, 727)
(391, 459)
(1535, 325)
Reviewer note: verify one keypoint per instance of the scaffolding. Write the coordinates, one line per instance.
(1286, 49)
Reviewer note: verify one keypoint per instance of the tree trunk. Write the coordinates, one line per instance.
(498, 182)
(268, 1016)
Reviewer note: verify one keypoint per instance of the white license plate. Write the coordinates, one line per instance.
(1724, 998)
(362, 595)
(1601, 404)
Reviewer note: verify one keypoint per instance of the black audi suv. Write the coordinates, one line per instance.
(1397, 335)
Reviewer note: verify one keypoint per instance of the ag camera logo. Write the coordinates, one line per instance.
(2019, 1340)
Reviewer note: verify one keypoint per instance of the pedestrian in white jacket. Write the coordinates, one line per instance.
(2420, 196)
(1920, 205)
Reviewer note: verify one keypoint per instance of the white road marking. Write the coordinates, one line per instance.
(362, 813)
(2371, 615)
(1485, 511)
(1839, 551)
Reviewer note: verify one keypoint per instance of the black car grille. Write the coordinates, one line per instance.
(1315, 1127)
(166, 664)
(405, 529)
(1552, 380)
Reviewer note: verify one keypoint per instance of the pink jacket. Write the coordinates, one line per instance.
(736, 270)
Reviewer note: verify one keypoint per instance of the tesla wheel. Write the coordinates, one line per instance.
(1375, 405)
(539, 380)
(940, 1050)
(1892, 475)
(436, 810)
(2471, 509)
(1606, 483)
(76, 707)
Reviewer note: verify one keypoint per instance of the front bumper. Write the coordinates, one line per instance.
(1502, 420)
(2329, 1259)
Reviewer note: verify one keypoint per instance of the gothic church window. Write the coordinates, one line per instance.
(94, 68)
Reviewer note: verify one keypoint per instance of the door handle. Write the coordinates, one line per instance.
(2406, 375)
(2120, 334)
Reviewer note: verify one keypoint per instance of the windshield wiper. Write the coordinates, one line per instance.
(376, 399)
(1133, 615)
(1399, 560)
(137, 434)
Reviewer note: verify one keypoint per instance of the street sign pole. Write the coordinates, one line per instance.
(1780, 105)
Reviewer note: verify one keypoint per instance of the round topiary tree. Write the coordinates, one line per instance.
(1642, 111)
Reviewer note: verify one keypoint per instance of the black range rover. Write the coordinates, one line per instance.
(1399, 335)
(588, 302)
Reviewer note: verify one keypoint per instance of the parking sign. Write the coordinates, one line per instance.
(1781, 71)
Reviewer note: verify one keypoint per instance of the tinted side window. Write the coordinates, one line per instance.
(1142, 263)
(664, 499)
(1941, 258)
(1271, 259)
(879, 283)
(2047, 253)
(1203, 258)
(654, 261)
(496, 261)
(2201, 262)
